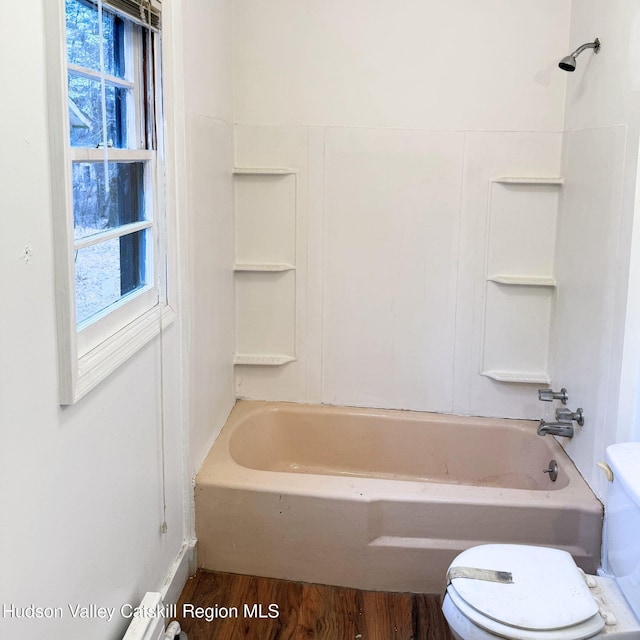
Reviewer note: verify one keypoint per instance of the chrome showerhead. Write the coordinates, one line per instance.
(569, 62)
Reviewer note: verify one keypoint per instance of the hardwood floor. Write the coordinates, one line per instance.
(303, 611)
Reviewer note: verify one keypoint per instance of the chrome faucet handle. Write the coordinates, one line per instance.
(566, 416)
(549, 395)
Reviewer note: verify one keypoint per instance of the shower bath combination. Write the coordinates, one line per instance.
(569, 62)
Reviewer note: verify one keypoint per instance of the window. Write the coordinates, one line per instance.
(112, 138)
(108, 222)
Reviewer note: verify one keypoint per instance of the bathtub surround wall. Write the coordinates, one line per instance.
(396, 220)
(81, 486)
(595, 340)
(389, 293)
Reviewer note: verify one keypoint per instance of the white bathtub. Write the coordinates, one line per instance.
(381, 500)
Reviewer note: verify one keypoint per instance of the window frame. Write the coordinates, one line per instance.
(87, 356)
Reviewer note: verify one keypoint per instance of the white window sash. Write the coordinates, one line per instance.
(131, 306)
(84, 154)
(96, 75)
(112, 234)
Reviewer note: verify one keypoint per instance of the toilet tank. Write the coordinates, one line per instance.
(622, 520)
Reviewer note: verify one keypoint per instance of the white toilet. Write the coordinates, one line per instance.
(522, 592)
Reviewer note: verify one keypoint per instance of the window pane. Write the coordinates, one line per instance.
(85, 113)
(110, 270)
(83, 41)
(94, 210)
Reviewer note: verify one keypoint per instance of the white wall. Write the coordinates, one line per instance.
(81, 486)
(396, 117)
(596, 341)
(209, 259)
(416, 65)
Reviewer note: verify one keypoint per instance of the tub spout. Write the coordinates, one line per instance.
(564, 425)
(555, 429)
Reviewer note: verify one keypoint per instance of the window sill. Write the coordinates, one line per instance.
(100, 362)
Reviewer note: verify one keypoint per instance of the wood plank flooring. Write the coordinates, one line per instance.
(303, 611)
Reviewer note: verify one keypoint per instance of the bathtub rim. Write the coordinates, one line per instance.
(221, 469)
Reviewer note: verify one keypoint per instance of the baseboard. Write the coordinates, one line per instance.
(183, 566)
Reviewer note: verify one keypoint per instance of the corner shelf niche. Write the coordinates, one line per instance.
(265, 268)
(519, 284)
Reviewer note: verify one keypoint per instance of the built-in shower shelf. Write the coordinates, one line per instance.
(529, 180)
(265, 272)
(265, 267)
(532, 377)
(263, 171)
(519, 281)
(263, 359)
(523, 281)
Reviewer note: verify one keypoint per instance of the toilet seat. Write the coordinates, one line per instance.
(582, 631)
(548, 599)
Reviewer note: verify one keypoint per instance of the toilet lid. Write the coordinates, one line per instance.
(548, 590)
(586, 629)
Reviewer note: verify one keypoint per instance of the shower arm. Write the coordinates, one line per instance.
(595, 45)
